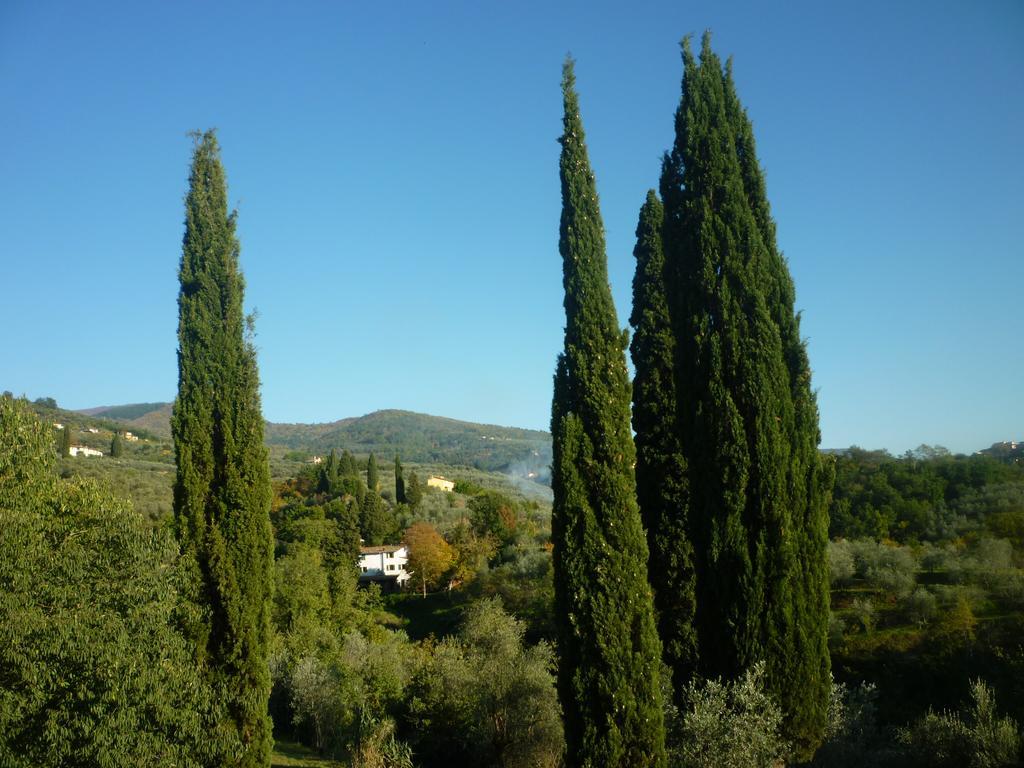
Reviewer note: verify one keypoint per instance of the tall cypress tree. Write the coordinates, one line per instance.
(116, 446)
(399, 482)
(372, 481)
(746, 419)
(608, 676)
(660, 465)
(222, 486)
(65, 441)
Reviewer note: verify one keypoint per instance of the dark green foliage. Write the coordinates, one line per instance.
(116, 446)
(399, 483)
(747, 422)
(93, 671)
(372, 480)
(413, 491)
(493, 514)
(925, 495)
(608, 647)
(485, 698)
(375, 522)
(327, 481)
(65, 440)
(222, 488)
(660, 466)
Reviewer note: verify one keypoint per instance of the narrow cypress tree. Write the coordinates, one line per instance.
(372, 481)
(116, 446)
(746, 418)
(804, 675)
(222, 486)
(660, 465)
(608, 676)
(65, 441)
(399, 482)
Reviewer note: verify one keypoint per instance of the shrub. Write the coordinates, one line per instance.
(978, 739)
(734, 724)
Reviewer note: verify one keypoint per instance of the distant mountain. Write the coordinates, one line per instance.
(416, 437)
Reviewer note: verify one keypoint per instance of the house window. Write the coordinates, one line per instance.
(391, 567)
(365, 569)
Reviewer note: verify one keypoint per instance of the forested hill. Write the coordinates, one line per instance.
(416, 437)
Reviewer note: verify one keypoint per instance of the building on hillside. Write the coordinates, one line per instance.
(81, 450)
(439, 482)
(387, 566)
(131, 438)
(58, 425)
(316, 460)
(94, 430)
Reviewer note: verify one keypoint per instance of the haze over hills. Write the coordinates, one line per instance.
(415, 437)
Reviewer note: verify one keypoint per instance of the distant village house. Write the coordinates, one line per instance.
(81, 450)
(131, 438)
(387, 566)
(439, 482)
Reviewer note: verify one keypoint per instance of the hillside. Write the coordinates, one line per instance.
(416, 437)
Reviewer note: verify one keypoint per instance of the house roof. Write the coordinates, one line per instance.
(379, 550)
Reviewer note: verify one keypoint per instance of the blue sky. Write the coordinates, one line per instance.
(395, 170)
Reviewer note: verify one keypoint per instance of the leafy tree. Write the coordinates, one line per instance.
(399, 483)
(413, 491)
(660, 465)
(484, 698)
(94, 671)
(372, 481)
(493, 514)
(609, 653)
(222, 487)
(116, 446)
(430, 556)
(756, 488)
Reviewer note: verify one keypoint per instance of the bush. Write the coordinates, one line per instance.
(920, 607)
(979, 739)
(735, 724)
(840, 562)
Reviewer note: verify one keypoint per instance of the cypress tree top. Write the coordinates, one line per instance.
(609, 650)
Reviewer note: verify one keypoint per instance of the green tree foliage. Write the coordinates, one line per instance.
(375, 522)
(372, 480)
(93, 670)
(978, 739)
(65, 441)
(413, 491)
(486, 699)
(399, 483)
(493, 514)
(660, 465)
(327, 481)
(735, 724)
(222, 487)
(608, 647)
(116, 446)
(756, 489)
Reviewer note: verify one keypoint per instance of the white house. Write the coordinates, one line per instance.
(81, 450)
(439, 482)
(387, 566)
(130, 437)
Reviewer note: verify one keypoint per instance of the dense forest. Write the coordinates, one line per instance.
(703, 586)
